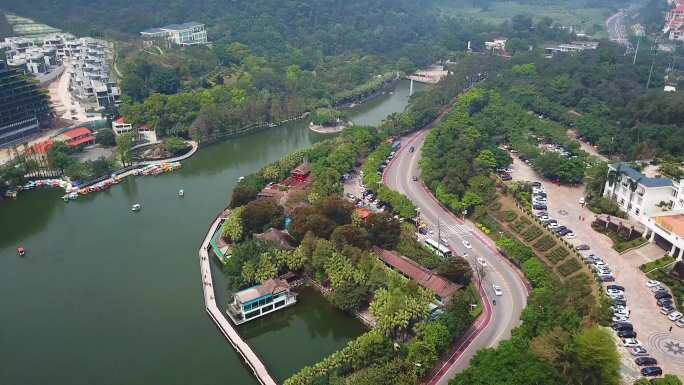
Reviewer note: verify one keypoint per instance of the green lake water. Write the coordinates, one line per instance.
(105, 296)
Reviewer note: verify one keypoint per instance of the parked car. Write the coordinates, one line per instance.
(674, 316)
(651, 371)
(506, 177)
(415, 178)
(664, 302)
(581, 201)
(658, 289)
(667, 310)
(570, 235)
(680, 323)
(662, 294)
(582, 247)
(482, 261)
(615, 287)
(619, 301)
(606, 278)
(646, 361)
(630, 342)
(638, 351)
(622, 326)
(627, 334)
(652, 283)
(540, 207)
(620, 318)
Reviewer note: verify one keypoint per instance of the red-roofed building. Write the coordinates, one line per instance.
(76, 137)
(440, 286)
(363, 213)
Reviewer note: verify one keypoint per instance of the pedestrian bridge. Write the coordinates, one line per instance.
(251, 358)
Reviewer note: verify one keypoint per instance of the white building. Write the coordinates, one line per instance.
(90, 79)
(191, 33)
(498, 44)
(260, 300)
(25, 54)
(656, 203)
(144, 133)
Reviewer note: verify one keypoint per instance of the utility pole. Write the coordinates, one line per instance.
(654, 50)
(636, 51)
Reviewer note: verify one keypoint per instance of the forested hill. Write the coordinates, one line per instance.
(344, 24)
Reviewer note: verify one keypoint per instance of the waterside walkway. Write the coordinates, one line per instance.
(250, 357)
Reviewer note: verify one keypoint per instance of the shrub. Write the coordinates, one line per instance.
(532, 233)
(515, 250)
(545, 243)
(510, 216)
(568, 267)
(537, 273)
(558, 254)
(520, 225)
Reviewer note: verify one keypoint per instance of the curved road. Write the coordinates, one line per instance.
(497, 321)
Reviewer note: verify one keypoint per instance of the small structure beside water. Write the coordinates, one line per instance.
(257, 301)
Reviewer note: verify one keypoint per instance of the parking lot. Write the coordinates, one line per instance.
(652, 327)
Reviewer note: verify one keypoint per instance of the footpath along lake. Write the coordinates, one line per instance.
(105, 296)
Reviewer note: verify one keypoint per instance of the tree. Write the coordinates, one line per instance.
(175, 145)
(349, 295)
(337, 209)
(350, 235)
(457, 269)
(596, 358)
(242, 195)
(261, 214)
(58, 156)
(307, 219)
(384, 231)
(105, 137)
(422, 354)
(233, 230)
(124, 144)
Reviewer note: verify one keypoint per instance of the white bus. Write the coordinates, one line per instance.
(438, 248)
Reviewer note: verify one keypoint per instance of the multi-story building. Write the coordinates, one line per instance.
(674, 21)
(191, 33)
(24, 54)
(260, 300)
(24, 107)
(90, 80)
(656, 203)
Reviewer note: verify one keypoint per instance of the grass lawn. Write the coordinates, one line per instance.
(558, 254)
(620, 244)
(568, 13)
(658, 263)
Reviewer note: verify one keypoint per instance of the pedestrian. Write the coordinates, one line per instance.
(670, 329)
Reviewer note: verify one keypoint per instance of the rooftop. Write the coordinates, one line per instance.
(672, 223)
(639, 177)
(76, 132)
(268, 287)
(424, 277)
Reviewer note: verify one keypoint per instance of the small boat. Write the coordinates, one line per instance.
(21, 251)
(65, 198)
(73, 195)
(240, 179)
(181, 192)
(136, 207)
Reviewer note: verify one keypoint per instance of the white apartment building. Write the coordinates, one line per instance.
(656, 203)
(191, 33)
(26, 55)
(90, 79)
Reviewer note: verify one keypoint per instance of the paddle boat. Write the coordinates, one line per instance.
(181, 193)
(136, 207)
(21, 251)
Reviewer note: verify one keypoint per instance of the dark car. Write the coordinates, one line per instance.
(620, 302)
(415, 178)
(665, 302)
(646, 361)
(606, 278)
(582, 247)
(536, 184)
(623, 328)
(558, 229)
(652, 371)
(615, 287)
(540, 207)
(506, 177)
(411, 149)
(662, 295)
(627, 334)
(564, 232)
(624, 325)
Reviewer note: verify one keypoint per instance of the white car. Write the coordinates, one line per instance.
(680, 322)
(652, 283)
(481, 261)
(467, 244)
(497, 290)
(581, 201)
(674, 316)
(657, 288)
(570, 235)
(614, 291)
(554, 225)
(621, 312)
(630, 342)
(620, 318)
(638, 351)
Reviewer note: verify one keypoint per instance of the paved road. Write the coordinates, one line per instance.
(505, 315)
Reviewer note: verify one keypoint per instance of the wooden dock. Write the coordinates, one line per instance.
(251, 358)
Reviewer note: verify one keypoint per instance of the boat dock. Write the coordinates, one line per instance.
(251, 358)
